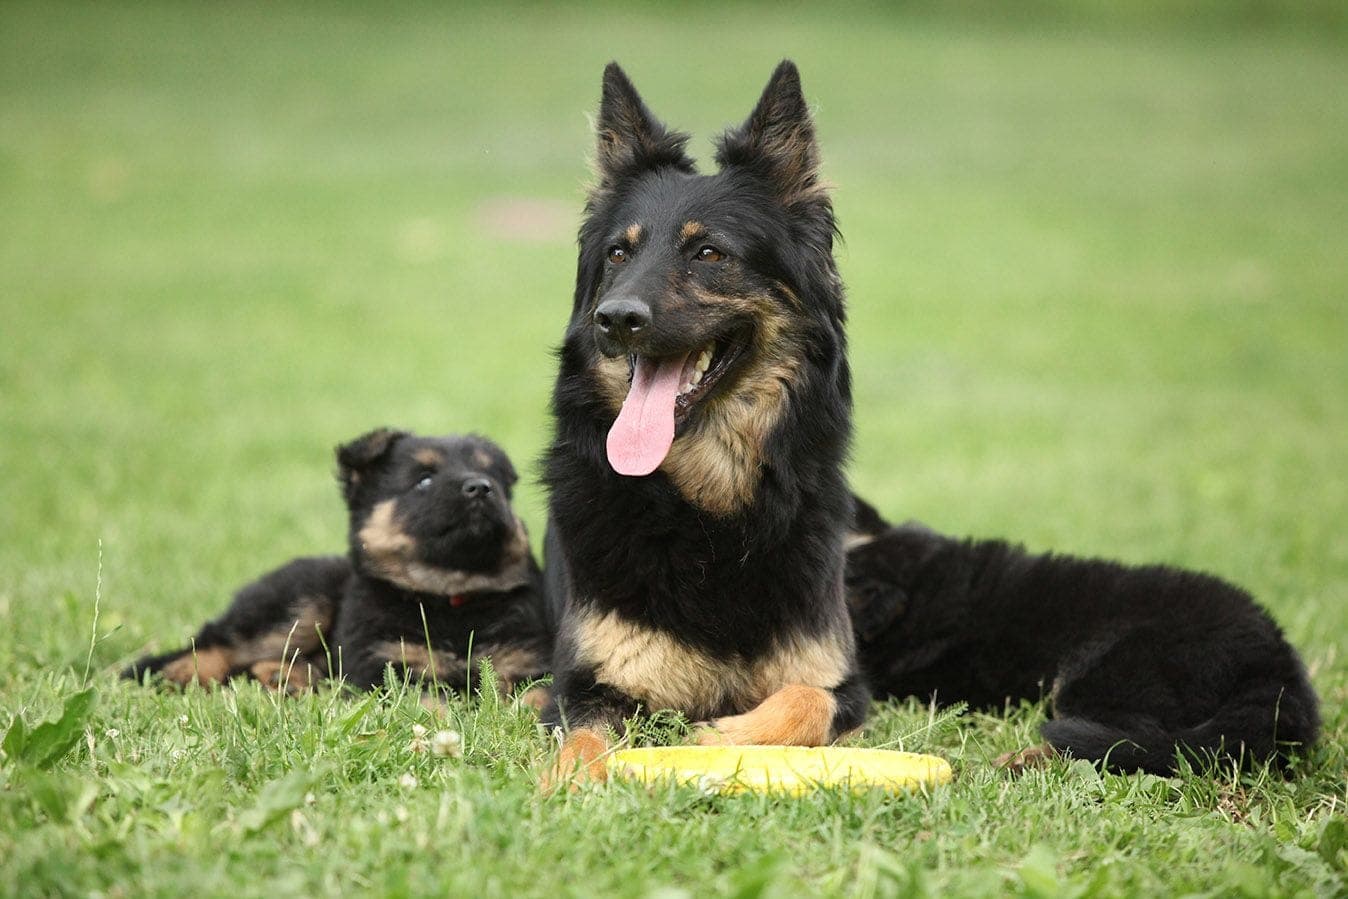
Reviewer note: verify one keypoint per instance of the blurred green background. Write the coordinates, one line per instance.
(1096, 261)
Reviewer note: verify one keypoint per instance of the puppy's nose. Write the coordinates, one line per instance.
(622, 317)
(476, 487)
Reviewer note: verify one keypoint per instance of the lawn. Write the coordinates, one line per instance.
(1098, 288)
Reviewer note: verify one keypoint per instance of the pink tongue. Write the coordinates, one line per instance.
(640, 439)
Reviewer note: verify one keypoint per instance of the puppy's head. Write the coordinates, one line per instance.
(423, 509)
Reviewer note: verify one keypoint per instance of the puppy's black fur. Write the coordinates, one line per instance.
(714, 581)
(438, 571)
(1140, 663)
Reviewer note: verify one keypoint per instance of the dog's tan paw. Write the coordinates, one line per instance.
(580, 761)
(1024, 759)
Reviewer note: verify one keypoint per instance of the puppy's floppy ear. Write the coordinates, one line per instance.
(777, 141)
(629, 139)
(355, 458)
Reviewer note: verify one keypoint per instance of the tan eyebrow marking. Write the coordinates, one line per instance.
(690, 230)
(633, 234)
(429, 457)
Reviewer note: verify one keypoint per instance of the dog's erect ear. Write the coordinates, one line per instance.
(355, 458)
(777, 141)
(629, 139)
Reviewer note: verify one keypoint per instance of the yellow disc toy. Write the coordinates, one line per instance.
(793, 770)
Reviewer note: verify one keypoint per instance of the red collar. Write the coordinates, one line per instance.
(457, 600)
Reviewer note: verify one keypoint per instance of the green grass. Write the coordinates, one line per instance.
(1097, 282)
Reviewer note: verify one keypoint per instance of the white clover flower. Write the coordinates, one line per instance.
(112, 733)
(447, 743)
(418, 731)
(182, 720)
(408, 781)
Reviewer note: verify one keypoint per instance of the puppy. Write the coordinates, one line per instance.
(1142, 664)
(438, 575)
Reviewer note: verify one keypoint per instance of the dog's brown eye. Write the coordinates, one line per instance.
(709, 254)
(617, 255)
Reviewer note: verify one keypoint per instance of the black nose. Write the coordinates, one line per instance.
(476, 487)
(622, 317)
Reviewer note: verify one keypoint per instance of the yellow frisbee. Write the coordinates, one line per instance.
(793, 770)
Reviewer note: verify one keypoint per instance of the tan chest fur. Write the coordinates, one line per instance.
(664, 673)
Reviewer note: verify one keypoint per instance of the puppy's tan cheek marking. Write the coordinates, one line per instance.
(205, 666)
(580, 761)
(382, 537)
(481, 458)
(795, 715)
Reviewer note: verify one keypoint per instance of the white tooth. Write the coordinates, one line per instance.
(697, 376)
(704, 359)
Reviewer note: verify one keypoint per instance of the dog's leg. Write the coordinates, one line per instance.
(589, 711)
(795, 715)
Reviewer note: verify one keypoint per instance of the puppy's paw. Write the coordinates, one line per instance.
(580, 761)
(281, 677)
(535, 698)
(1025, 759)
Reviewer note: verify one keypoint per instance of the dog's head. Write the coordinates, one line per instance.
(430, 513)
(701, 299)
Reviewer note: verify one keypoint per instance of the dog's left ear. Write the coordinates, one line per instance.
(355, 458)
(777, 141)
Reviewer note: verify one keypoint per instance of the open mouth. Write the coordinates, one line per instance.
(701, 372)
(663, 392)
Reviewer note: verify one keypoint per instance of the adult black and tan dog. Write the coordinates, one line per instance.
(438, 576)
(702, 413)
(1141, 664)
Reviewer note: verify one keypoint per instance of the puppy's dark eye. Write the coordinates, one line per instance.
(709, 254)
(424, 483)
(617, 255)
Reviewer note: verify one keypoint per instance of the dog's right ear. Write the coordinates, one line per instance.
(354, 459)
(629, 139)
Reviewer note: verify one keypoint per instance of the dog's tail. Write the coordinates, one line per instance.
(1266, 722)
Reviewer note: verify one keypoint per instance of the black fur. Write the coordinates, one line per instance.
(1139, 661)
(729, 584)
(438, 567)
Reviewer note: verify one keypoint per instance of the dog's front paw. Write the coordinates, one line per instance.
(1025, 759)
(581, 760)
(709, 733)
